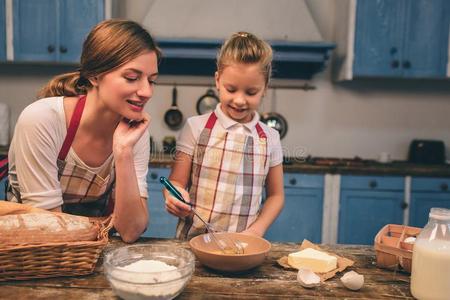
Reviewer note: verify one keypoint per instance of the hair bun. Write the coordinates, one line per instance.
(243, 34)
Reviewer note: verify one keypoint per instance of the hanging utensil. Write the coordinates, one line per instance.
(173, 117)
(207, 102)
(274, 119)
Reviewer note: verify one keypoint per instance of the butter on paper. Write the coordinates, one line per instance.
(342, 262)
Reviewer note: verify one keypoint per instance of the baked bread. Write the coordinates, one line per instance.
(41, 226)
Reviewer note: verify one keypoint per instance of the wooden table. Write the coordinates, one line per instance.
(269, 281)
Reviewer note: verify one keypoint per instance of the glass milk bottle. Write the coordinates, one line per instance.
(430, 275)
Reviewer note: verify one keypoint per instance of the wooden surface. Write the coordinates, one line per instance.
(269, 281)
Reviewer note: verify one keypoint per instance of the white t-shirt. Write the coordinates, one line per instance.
(190, 133)
(38, 137)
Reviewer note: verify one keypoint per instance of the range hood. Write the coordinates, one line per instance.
(191, 32)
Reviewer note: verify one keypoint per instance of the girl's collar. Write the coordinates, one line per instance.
(227, 122)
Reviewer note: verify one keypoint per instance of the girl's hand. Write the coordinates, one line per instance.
(254, 232)
(128, 132)
(175, 206)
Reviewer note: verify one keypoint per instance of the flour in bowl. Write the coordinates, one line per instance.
(153, 279)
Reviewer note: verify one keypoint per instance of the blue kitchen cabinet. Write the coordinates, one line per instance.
(301, 217)
(3, 189)
(53, 30)
(425, 194)
(366, 204)
(2, 31)
(162, 224)
(401, 38)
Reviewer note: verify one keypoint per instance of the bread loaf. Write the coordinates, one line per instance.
(45, 227)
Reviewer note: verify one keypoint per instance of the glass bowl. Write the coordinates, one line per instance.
(145, 280)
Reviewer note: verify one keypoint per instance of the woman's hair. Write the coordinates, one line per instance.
(244, 47)
(109, 45)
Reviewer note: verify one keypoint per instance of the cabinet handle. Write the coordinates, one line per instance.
(393, 50)
(406, 64)
(50, 48)
(444, 187)
(62, 49)
(293, 181)
(153, 175)
(373, 184)
(395, 64)
(404, 205)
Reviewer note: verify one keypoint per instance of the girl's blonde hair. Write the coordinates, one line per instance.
(244, 47)
(109, 45)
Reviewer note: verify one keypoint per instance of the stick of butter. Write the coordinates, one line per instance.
(315, 260)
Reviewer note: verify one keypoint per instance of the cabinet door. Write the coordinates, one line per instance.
(2, 31)
(78, 18)
(363, 213)
(162, 224)
(3, 189)
(35, 30)
(425, 194)
(301, 217)
(378, 38)
(426, 38)
(421, 203)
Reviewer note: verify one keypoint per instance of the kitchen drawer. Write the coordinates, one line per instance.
(391, 183)
(296, 180)
(153, 177)
(440, 185)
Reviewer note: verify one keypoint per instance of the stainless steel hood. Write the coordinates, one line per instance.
(191, 31)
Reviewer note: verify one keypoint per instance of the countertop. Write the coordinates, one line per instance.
(269, 281)
(339, 166)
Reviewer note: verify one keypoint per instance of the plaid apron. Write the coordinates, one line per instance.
(227, 180)
(84, 192)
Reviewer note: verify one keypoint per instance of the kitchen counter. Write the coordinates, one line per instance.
(354, 166)
(338, 166)
(267, 281)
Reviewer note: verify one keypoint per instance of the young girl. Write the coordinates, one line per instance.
(83, 148)
(228, 156)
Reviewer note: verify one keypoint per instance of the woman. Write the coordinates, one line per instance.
(83, 147)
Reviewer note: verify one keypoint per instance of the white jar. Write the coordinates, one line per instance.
(430, 275)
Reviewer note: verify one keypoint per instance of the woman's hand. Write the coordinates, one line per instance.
(175, 206)
(128, 132)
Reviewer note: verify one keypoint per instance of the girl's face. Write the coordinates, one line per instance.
(241, 88)
(127, 89)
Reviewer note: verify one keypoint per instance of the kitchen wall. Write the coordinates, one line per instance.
(361, 117)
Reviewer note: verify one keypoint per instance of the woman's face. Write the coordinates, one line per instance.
(241, 88)
(127, 89)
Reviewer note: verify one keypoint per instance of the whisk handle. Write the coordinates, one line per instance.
(172, 189)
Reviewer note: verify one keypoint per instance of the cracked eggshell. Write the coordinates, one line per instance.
(352, 280)
(307, 278)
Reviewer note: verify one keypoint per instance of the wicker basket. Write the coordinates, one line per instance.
(20, 262)
(391, 250)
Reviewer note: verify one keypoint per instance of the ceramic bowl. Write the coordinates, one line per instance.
(148, 283)
(256, 250)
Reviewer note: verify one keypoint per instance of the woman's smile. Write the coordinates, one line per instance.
(137, 106)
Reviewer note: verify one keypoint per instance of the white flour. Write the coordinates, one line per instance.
(145, 286)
